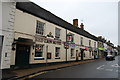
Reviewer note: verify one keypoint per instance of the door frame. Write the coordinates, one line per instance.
(82, 54)
(27, 54)
(77, 55)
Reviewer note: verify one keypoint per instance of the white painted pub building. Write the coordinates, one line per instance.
(36, 36)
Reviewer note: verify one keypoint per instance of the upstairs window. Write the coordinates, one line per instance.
(89, 43)
(57, 33)
(81, 42)
(94, 44)
(40, 28)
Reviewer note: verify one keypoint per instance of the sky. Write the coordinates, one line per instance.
(100, 17)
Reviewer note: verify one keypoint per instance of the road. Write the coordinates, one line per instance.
(97, 69)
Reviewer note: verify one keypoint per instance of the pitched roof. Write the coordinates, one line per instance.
(33, 9)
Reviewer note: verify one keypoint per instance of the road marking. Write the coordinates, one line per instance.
(117, 71)
(37, 74)
(100, 68)
(40, 73)
(115, 65)
(109, 69)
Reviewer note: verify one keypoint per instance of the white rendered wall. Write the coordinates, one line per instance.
(8, 14)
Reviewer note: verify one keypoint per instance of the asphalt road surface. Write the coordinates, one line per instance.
(97, 69)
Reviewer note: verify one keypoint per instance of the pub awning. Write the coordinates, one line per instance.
(24, 41)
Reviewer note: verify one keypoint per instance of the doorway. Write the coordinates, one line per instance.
(77, 56)
(82, 54)
(22, 55)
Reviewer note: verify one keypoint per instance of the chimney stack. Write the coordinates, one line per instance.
(82, 26)
(75, 22)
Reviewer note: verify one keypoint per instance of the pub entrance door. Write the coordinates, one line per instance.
(82, 54)
(22, 55)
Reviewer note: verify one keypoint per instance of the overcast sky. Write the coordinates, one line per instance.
(100, 17)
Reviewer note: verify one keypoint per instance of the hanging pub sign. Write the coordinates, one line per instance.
(69, 37)
(66, 45)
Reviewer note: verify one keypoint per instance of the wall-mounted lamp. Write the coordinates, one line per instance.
(13, 46)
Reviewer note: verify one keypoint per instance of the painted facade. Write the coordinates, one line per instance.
(27, 30)
(30, 39)
(6, 32)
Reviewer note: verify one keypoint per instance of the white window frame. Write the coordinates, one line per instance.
(41, 30)
(57, 29)
(57, 52)
(81, 41)
(71, 52)
(89, 43)
(94, 44)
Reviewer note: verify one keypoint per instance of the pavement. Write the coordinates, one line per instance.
(23, 73)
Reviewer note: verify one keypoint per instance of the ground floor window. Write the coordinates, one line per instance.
(72, 52)
(57, 52)
(84, 54)
(39, 50)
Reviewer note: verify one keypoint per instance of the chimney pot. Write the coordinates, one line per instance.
(82, 26)
(75, 22)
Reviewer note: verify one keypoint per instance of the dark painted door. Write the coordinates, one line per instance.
(22, 55)
(77, 55)
(82, 54)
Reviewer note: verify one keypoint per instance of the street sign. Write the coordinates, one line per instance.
(66, 45)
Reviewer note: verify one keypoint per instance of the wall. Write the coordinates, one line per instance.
(25, 27)
(8, 13)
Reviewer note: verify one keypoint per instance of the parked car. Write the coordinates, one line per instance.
(110, 57)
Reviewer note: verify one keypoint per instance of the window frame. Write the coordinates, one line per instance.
(38, 33)
(72, 52)
(94, 44)
(56, 33)
(42, 51)
(57, 52)
(81, 41)
(89, 43)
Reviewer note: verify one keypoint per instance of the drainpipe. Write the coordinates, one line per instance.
(46, 53)
(66, 42)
